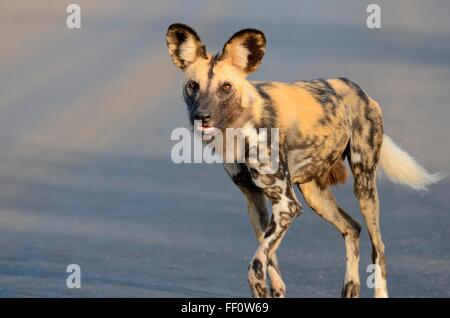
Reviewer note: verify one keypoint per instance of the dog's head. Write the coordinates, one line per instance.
(215, 86)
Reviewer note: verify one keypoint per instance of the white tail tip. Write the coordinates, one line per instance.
(400, 167)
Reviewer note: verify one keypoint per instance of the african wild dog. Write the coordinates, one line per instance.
(320, 122)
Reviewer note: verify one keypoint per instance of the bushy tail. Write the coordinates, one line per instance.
(400, 167)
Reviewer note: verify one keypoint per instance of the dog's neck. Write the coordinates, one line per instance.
(252, 103)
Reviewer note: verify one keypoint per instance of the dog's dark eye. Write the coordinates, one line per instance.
(226, 87)
(193, 86)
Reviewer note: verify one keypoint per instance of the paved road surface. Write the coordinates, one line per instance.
(85, 169)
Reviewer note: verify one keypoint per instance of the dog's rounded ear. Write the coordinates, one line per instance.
(184, 45)
(245, 49)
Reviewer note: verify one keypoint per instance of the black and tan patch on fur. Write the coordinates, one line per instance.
(260, 291)
(361, 94)
(257, 269)
(350, 290)
(274, 293)
(269, 113)
(294, 208)
(274, 193)
(324, 93)
(271, 228)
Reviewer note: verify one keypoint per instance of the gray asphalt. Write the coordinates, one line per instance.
(85, 169)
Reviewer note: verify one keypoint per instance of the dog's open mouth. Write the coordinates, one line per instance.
(207, 131)
(205, 128)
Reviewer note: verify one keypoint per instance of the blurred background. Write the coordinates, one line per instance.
(85, 169)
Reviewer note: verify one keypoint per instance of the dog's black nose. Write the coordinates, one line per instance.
(203, 115)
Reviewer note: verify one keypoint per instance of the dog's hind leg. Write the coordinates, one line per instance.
(324, 204)
(364, 154)
(259, 219)
(366, 192)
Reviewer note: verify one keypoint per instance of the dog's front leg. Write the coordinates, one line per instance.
(259, 218)
(285, 207)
